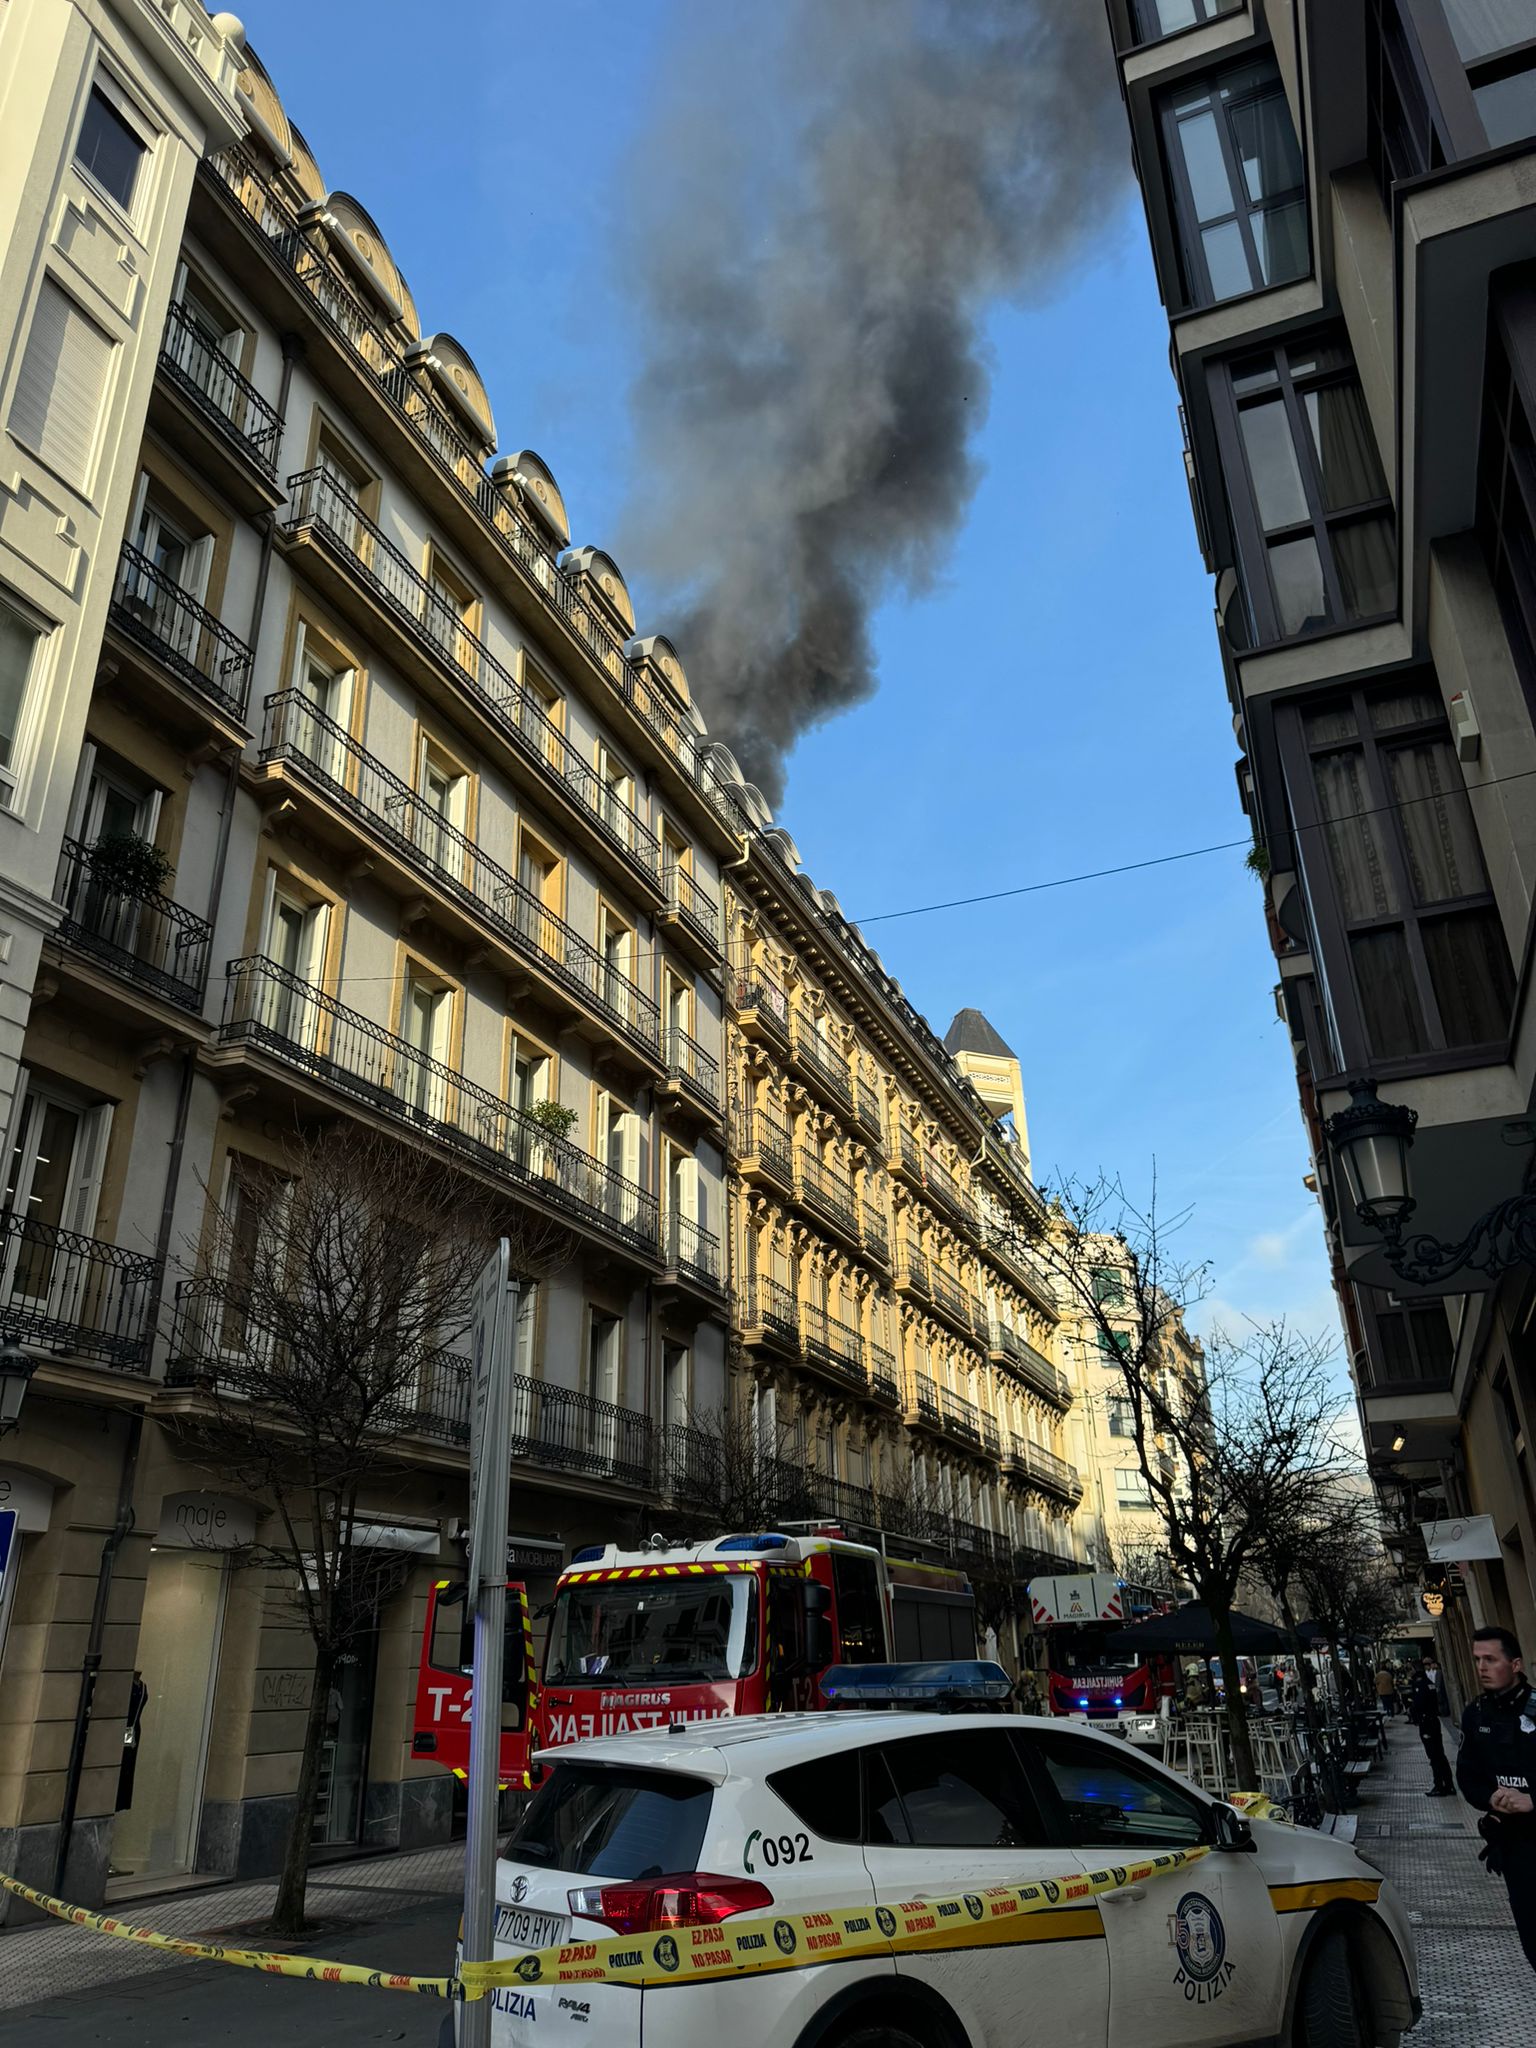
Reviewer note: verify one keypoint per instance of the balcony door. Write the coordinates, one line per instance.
(616, 943)
(618, 1131)
(53, 1182)
(295, 944)
(111, 803)
(173, 581)
(426, 1025)
(604, 1377)
(444, 811)
(322, 686)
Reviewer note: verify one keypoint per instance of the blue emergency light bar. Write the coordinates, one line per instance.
(763, 1542)
(880, 1685)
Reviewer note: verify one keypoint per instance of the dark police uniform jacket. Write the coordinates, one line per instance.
(1498, 1747)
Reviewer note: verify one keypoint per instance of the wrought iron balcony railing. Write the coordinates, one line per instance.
(147, 939)
(296, 730)
(830, 1193)
(687, 1061)
(951, 1297)
(761, 994)
(691, 1249)
(272, 1011)
(171, 626)
(913, 1272)
(690, 901)
(1031, 1366)
(317, 500)
(823, 1063)
(1045, 1469)
(883, 1378)
(943, 1186)
(75, 1295)
(867, 1112)
(876, 1234)
(196, 364)
(770, 1306)
(1009, 1246)
(765, 1138)
(833, 1343)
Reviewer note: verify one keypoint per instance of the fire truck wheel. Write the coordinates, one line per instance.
(1331, 2011)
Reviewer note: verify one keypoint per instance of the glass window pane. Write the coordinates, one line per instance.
(1276, 473)
(1208, 178)
(1366, 559)
(1333, 722)
(1469, 972)
(1445, 860)
(1255, 373)
(965, 1791)
(1226, 260)
(1265, 142)
(1483, 26)
(1296, 572)
(1508, 108)
(1345, 445)
(1280, 237)
(1318, 357)
(1405, 707)
(1389, 1002)
(1353, 833)
(18, 642)
(1110, 1804)
(109, 149)
(1164, 17)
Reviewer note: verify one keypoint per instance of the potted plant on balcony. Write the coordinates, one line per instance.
(551, 1124)
(122, 864)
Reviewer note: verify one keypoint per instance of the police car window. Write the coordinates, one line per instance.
(608, 1823)
(824, 1794)
(955, 1789)
(1112, 1804)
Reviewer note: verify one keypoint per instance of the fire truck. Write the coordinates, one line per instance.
(1080, 1617)
(637, 1639)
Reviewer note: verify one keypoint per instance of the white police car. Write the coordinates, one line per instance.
(1277, 1936)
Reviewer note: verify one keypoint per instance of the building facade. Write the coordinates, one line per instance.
(1341, 209)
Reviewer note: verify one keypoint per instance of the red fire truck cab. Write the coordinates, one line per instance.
(743, 1624)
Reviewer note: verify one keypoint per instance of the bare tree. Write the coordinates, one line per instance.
(1226, 1437)
(325, 1330)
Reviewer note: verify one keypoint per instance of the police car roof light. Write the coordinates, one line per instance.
(762, 1542)
(585, 1556)
(963, 1680)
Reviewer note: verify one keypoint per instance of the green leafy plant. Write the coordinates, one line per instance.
(552, 1117)
(129, 866)
(1256, 861)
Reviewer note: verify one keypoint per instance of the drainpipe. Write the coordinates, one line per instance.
(90, 1664)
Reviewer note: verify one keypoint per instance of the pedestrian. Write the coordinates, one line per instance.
(1424, 1713)
(1386, 1688)
(1497, 1772)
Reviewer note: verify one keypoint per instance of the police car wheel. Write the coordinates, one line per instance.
(1331, 2011)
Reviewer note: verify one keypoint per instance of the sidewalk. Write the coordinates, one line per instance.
(45, 1960)
(1477, 1987)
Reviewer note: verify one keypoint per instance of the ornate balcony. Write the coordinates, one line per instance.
(241, 185)
(323, 514)
(876, 1235)
(766, 1150)
(297, 734)
(936, 1407)
(215, 395)
(1016, 1355)
(1044, 1470)
(822, 1065)
(762, 1008)
(146, 939)
(271, 1013)
(75, 1296)
(690, 1070)
(884, 1377)
(952, 1302)
(1006, 1244)
(692, 916)
(914, 1276)
(771, 1317)
(183, 640)
(867, 1113)
(835, 1347)
(692, 1252)
(828, 1194)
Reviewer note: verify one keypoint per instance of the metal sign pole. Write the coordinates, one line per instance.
(490, 1464)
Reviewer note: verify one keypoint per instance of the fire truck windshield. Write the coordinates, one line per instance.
(654, 1631)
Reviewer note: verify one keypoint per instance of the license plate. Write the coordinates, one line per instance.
(517, 1927)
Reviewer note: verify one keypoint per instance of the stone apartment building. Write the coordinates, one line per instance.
(337, 789)
(1343, 218)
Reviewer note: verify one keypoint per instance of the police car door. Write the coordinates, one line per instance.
(950, 1812)
(1194, 1955)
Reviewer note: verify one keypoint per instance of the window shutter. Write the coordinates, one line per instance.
(61, 385)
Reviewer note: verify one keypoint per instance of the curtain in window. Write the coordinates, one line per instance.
(1444, 858)
(1469, 970)
(1265, 142)
(1483, 26)
(1353, 838)
(1389, 1001)
(1346, 447)
(1365, 556)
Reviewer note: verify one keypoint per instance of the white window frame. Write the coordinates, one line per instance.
(27, 711)
(122, 101)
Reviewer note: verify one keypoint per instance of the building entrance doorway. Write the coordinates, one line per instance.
(344, 1756)
(161, 1785)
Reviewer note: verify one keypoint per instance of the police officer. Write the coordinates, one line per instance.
(1424, 1713)
(1497, 1772)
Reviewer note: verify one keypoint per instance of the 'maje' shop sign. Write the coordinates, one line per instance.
(205, 1521)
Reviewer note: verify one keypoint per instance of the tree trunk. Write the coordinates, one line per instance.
(288, 1912)
(1237, 1712)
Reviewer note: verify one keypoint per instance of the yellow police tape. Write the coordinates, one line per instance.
(272, 1964)
(783, 1941)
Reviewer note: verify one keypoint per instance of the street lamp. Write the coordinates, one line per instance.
(16, 1370)
(1372, 1139)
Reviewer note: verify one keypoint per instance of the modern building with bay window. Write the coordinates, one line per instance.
(1341, 209)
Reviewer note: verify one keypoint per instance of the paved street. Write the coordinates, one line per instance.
(88, 1991)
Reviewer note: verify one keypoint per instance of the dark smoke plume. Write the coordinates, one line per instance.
(823, 206)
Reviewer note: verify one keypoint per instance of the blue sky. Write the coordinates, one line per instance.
(1055, 706)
